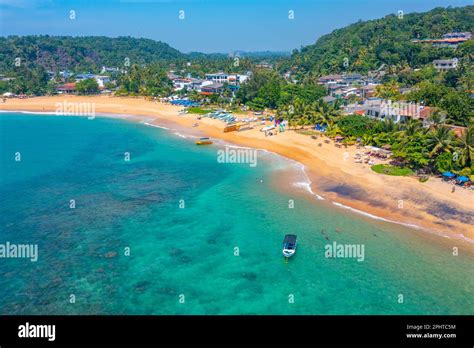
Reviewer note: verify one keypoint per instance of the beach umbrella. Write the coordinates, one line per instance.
(463, 179)
(448, 175)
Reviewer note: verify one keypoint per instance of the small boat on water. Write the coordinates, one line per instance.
(204, 141)
(289, 245)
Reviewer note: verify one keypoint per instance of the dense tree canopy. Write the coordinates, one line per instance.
(368, 45)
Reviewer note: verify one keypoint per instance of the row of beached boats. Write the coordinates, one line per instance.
(221, 115)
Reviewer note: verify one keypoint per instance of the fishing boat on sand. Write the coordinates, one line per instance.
(204, 141)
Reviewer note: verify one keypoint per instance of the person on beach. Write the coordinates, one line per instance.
(454, 189)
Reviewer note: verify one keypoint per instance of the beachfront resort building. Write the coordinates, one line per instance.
(212, 88)
(190, 84)
(213, 83)
(220, 77)
(67, 88)
(101, 79)
(398, 112)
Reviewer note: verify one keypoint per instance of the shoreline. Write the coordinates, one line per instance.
(330, 176)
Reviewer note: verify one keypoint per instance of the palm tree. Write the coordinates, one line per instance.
(412, 127)
(326, 113)
(388, 126)
(288, 113)
(368, 139)
(465, 147)
(436, 119)
(440, 140)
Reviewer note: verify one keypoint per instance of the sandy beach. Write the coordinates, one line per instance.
(333, 172)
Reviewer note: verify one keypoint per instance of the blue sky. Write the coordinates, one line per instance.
(208, 25)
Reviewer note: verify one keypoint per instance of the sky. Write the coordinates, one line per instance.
(203, 25)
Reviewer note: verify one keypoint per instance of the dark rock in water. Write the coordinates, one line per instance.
(56, 282)
(185, 259)
(141, 286)
(168, 291)
(176, 252)
(250, 276)
(110, 254)
(100, 270)
(142, 283)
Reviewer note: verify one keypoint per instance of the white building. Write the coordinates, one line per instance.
(102, 80)
(382, 109)
(221, 77)
(445, 64)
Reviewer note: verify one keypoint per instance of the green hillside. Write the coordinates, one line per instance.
(369, 44)
(87, 53)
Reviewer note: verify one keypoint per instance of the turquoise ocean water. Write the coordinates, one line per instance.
(182, 260)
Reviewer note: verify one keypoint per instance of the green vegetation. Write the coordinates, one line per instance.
(458, 105)
(87, 86)
(28, 81)
(199, 110)
(150, 80)
(366, 45)
(80, 54)
(391, 170)
(267, 89)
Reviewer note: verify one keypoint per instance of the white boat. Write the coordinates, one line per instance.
(289, 245)
(267, 128)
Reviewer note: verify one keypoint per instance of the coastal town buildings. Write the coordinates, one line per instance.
(211, 84)
(347, 85)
